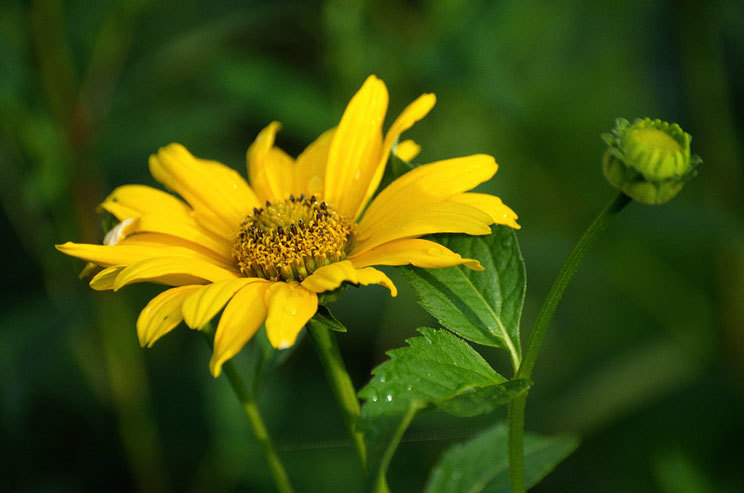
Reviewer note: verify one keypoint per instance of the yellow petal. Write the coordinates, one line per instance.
(201, 307)
(410, 115)
(104, 280)
(172, 246)
(131, 201)
(421, 253)
(212, 189)
(134, 200)
(290, 306)
(354, 153)
(125, 228)
(311, 163)
(119, 211)
(136, 248)
(331, 276)
(172, 271)
(439, 217)
(270, 169)
(162, 314)
(407, 150)
(491, 205)
(241, 319)
(428, 184)
(186, 228)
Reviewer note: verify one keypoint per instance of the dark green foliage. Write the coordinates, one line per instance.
(436, 370)
(482, 464)
(483, 307)
(647, 339)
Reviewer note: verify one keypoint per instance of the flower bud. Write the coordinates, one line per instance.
(649, 160)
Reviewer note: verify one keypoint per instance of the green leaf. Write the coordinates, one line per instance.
(436, 370)
(482, 400)
(325, 317)
(483, 307)
(482, 464)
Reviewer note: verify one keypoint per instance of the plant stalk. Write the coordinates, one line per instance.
(544, 316)
(341, 385)
(250, 407)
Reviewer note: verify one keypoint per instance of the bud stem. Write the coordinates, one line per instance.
(250, 407)
(569, 268)
(338, 378)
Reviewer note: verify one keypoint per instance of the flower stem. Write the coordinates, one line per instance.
(340, 382)
(250, 407)
(544, 316)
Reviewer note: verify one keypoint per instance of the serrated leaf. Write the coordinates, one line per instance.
(434, 368)
(482, 464)
(483, 307)
(437, 369)
(482, 400)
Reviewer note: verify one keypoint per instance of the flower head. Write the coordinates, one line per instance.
(648, 160)
(303, 226)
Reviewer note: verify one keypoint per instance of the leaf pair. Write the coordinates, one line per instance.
(436, 370)
(482, 307)
(439, 370)
(482, 464)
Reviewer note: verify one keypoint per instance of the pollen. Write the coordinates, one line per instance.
(290, 239)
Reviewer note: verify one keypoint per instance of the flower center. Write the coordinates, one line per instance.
(288, 240)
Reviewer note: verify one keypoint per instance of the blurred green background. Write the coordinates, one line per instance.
(644, 360)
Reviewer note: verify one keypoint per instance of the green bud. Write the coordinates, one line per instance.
(649, 160)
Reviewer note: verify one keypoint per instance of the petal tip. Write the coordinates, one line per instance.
(473, 264)
(215, 367)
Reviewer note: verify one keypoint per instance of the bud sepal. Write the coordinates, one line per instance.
(648, 160)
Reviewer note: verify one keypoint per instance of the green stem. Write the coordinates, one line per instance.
(250, 407)
(380, 483)
(569, 268)
(341, 385)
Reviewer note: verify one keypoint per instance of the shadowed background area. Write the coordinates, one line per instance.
(644, 360)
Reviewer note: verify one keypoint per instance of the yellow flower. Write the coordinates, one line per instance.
(264, 251)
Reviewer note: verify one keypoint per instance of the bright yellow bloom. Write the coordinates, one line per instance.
(264, 251)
